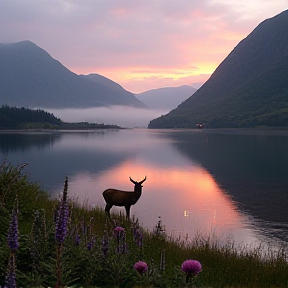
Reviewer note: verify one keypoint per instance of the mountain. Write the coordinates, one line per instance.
(248, 89)
(30, 77)
(106, 82)
(167, 97)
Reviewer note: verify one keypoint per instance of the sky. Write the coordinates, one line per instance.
(140, 44)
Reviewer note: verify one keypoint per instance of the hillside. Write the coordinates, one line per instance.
(25, 118)
(166, 97)
(248, 89)
(106, 82)
(30, 77)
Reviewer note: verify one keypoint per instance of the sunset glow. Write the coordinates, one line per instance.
(141, 45)
(195, 193)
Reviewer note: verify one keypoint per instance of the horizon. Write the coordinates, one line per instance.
(141, 46)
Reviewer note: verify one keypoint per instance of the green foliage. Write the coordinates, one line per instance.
(14, 182)
(84, 263)
(12, 117)
(248, 89)
(24, 118)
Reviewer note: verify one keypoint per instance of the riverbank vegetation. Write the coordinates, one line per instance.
(57, 243)
(25, 118)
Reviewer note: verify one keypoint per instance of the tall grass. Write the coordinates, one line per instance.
(94, 254)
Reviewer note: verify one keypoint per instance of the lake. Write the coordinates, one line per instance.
(228, 183)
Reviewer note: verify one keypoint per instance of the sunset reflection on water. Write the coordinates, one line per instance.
(187, 200)
(194, 185)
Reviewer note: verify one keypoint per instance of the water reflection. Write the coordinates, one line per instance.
(196, 181)
(188, 200)
(251, 166)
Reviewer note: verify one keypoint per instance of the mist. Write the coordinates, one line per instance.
(126, 117)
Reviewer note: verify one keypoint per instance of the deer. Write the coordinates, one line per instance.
(122, 198)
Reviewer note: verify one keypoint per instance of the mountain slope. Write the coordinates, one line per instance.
(166, 97)
(30, 77)
(105, 81)
(249, 88)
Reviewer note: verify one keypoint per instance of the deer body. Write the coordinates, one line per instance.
(115, 197)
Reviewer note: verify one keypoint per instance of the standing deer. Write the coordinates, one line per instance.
(123, 198)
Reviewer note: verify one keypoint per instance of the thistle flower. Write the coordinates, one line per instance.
(118, 230)
(12, 237)
(62, 217)
(141, 267)
(191, 268)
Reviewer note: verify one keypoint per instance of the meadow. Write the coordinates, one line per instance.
(60, 243)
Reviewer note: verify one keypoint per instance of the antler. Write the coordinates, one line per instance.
(142, 180)
(134, 182)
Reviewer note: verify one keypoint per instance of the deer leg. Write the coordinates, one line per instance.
(127, 208)
(107, 209)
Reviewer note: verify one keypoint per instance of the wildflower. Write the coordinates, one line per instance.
(118, 230)
(191, 268)
(123, 247)
(119, 233)
(61, 229)
(77, 240)
(91, 243)
(12, 237)
(138, 238)
(105, 243)
(62, 217)
(141, 267)
(11, 277)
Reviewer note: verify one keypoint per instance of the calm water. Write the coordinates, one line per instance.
(230, 183)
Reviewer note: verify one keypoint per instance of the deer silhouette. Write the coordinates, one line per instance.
(123, 198)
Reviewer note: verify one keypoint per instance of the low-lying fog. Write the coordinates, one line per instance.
(123, 116)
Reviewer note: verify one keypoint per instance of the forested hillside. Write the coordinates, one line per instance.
(248, 89)
(24, 118)
(12, 117)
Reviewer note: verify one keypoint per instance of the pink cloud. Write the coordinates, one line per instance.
(121, 38)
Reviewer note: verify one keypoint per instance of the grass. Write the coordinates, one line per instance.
(85, 264)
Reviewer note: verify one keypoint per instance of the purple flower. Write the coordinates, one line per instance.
(77, 240)
(62, 217)
(141, 267)
(118, 230)
(191, 268)
(11, 278)
(91, 243)
(119, 233)
(12, 237)
(105, 244)
(138, 237)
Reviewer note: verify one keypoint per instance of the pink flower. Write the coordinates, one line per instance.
(118, 230)
(191, 267)
(141, 267)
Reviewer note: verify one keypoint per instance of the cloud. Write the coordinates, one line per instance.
(123, 116)
(116, 38)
